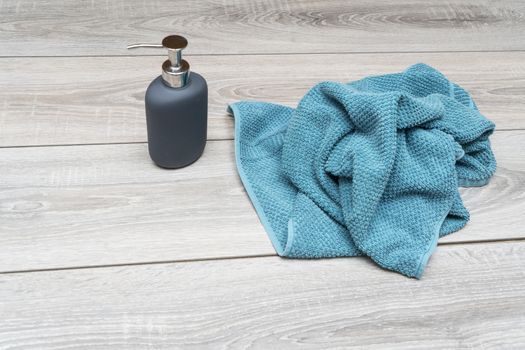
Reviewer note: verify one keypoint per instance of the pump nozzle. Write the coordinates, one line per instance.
(175, 71)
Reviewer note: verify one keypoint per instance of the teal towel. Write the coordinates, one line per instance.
(366, 168)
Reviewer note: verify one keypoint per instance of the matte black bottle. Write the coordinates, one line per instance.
(176, 110)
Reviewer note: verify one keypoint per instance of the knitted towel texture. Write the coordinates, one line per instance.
(366, 168)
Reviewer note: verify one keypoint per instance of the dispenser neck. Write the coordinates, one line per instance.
(175, 76)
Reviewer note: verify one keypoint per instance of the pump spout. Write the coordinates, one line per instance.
(154, 46)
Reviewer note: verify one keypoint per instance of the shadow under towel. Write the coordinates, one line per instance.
(366, 168)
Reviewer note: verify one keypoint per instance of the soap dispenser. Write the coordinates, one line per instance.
(176, 109)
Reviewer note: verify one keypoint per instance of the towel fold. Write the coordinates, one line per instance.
(366, 168)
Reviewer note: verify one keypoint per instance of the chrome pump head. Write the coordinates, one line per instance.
(175, 70)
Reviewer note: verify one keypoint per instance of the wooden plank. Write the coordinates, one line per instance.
(107, 204)
(471, 296)
(96, 205)
(54, 28)
(100, 99)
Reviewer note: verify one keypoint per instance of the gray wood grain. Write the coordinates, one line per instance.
(70, 206)
(85, 206)
(56, 102)
(471, 297)
(95, 205)
(54, 28)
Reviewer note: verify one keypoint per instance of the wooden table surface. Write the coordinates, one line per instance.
(100, 249)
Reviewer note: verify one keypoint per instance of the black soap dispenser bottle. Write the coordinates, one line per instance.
(176, 109)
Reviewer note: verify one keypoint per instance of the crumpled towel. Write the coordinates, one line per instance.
(366, 168)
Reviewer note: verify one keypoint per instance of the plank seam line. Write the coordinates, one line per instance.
(144, 142)
(98, 144)
(160, 262)
(255, 256)
(271, 53)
